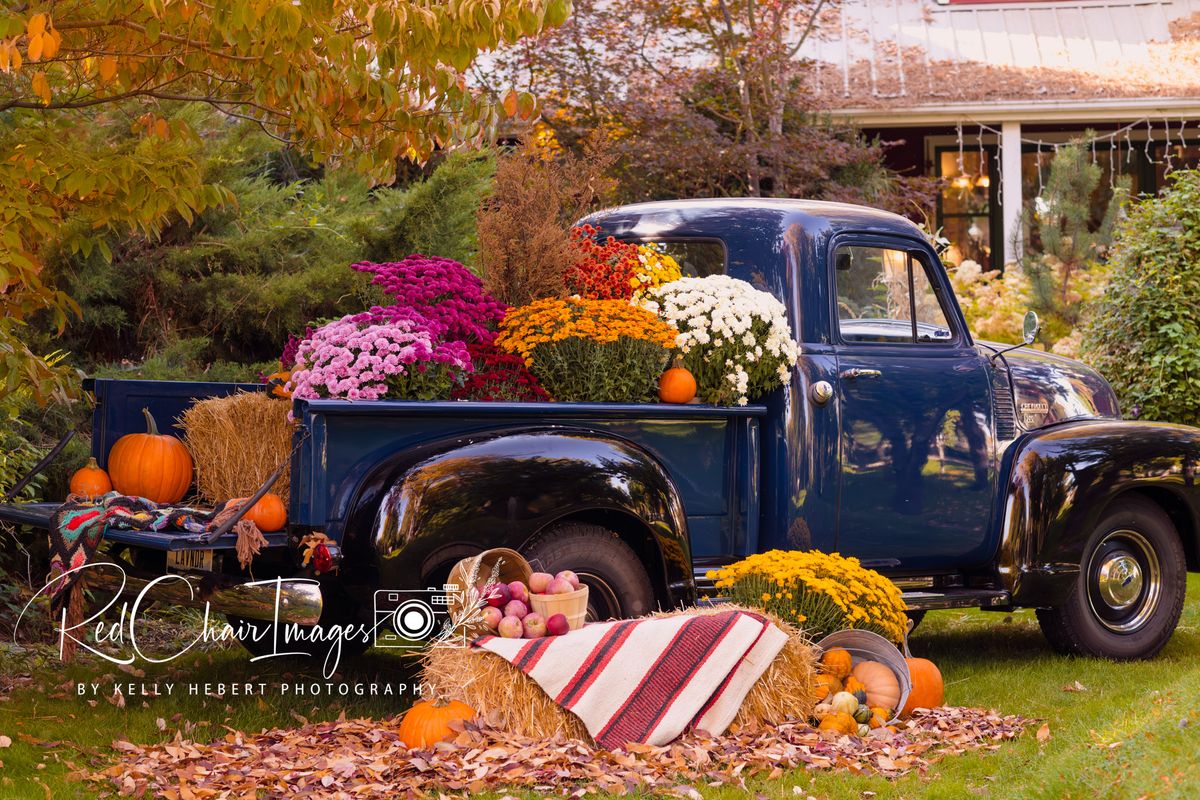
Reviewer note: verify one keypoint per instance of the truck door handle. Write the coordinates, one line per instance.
(851, 374)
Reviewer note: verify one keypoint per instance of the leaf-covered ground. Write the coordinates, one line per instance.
(1104, 730)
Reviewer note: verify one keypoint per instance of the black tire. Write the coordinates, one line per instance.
(337, 608)
(1130, 591)
(618, 585)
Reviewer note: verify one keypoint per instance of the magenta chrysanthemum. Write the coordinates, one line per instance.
(442, 291)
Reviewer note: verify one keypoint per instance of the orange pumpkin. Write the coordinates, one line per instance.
(928, 689)
(676, 385)
(428, 722)
(150, 465)
(879, 717)
(837, 662)
(269, 513)
(277, 383)
(90, 481)
(841, 723)
(825, 686)
(879, 682)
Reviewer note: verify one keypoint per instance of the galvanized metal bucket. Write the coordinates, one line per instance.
(867, 646)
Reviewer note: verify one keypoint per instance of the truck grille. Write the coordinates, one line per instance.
(1002, 405)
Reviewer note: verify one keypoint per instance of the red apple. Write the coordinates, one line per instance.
(492, 617)
(560, 586)
(515, 608)
(538, 582)
(511, 628)
(557, 625)
(570, 577)
(496, 594)
(518, 592)
(535, 626)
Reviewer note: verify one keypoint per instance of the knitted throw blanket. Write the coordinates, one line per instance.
(78, 526)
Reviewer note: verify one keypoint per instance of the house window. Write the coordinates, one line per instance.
(965, 203)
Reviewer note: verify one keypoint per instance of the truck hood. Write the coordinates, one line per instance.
(1051, 388)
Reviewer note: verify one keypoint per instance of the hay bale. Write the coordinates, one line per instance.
(513, 701)
(237, 442)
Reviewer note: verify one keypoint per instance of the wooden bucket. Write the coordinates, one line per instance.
(572, 605)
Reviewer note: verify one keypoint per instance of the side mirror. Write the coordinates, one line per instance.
(1030, 327)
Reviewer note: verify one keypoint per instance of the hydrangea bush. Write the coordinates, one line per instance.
(734, 339)
(442, 291)
(372, 356)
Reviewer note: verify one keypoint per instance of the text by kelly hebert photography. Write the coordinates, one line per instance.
(222, 690)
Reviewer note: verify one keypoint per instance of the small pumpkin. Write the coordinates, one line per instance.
(837, 662)
(428, 722)
(853, 685)
(277, 383)
(677, 385)
(150, 465)
(928, 689)
(840, 723)
(269, 513)
(825, 686)
(879, 682)
(90, 480)
(880, 714)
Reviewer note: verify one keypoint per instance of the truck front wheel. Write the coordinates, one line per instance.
(618, 584)
(1129, 594)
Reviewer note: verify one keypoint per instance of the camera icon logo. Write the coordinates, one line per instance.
(406, 619)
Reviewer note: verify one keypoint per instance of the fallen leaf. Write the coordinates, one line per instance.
(5, 741)
(1043, 733)
(1075, 687)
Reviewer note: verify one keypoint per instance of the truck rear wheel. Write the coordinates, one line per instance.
(1129, 594)
(618, 585)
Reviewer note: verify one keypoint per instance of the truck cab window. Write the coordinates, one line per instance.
(697, 258)
(878, 291)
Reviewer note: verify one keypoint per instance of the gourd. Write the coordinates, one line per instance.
(928, 690)
(841, 723)
(428, 722)
(837, 662)
(90, 480)
(864, 729)
(269, 513)
(676, 385)
(825, 686)
(854, 685)
(862, 715)
(150, 465)
(844, 703)
(879, 682)
(879, 717)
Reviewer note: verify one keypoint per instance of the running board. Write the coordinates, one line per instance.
(956, 598)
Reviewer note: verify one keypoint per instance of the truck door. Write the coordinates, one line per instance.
(914, 407)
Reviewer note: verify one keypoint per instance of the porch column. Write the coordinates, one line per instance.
(1010, 188)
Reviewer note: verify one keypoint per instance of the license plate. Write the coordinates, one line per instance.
(199, 560)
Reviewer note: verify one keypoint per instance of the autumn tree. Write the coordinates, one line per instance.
(698, 97)
(355, 82)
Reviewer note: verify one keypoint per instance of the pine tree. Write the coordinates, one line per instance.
(1065, 246)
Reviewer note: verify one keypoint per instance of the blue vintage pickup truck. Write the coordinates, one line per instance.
(970, 475)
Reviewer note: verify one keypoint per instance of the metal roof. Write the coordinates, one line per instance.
(912, 48)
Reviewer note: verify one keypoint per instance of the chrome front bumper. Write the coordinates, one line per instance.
(297, 600)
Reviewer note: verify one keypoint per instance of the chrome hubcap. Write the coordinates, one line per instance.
(1124, 581)
(1120, 581)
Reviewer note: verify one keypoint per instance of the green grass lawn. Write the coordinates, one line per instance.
(1133, 732)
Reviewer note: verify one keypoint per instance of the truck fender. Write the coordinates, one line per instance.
(1058, 482)
(503, 490)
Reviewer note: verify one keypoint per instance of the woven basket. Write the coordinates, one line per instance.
(509, 565)
(867, 646)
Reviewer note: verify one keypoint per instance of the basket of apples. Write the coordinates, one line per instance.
(513, 611)
(559, 594)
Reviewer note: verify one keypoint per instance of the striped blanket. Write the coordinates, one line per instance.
(649, 680)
